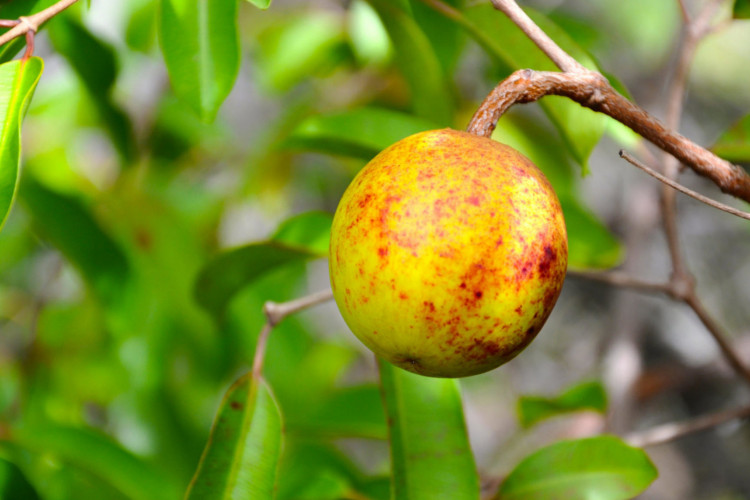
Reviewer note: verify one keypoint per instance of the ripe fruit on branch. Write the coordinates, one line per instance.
(448, 252)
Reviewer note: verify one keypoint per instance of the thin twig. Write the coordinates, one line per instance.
(33, 22)
(277, 311)
(621, 279)
(669, 432)
(679, 187)
(561, 58)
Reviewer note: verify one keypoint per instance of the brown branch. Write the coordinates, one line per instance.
(679, 187)
(592, 90)
(277, 311)
(669, 432)
(32, 23)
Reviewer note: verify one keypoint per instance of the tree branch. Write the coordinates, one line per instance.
(669, 432)
(679, 187)
(592, 90)
(32, 23)
(277, 311)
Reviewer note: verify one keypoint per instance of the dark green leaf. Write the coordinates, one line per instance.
(13, 484)
(200, 43)
(350, 412)
(603, 467)
(362, 132)
(430, 453)
(585, 396)
(71, 227)
(99, 455)
(17, 84)
(310, 231)
(741, 9)
(140, 33)
(734, 144)
(13, 10)
(430, 94)
(241, 458)
(234, 269)
(590, 243)
(95, 63)
(445, 36)
(580, 127)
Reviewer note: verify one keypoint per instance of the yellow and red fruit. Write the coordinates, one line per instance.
(448, 252)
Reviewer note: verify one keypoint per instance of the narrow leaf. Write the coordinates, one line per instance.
(590, 244)
(585, 396)
(361, 133)
(416, 58)
(734, 144)
(430, 453)
(17, 84)
(603, 467)
(71, 227)
(241, 458)
(200, 43)
(101, 456)
(261, 4)
(13, 484)
(310, 231)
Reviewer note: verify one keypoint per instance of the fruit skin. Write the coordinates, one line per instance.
(448, 252)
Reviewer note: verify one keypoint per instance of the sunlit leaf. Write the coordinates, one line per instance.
(17, 84)
(362, 132)
(430, 453)
(430, 95)
(261, 4)
(94, 62)
(734, 144)
(298, 48)
(585, 396)
(741, 9)
(241, 458)
(604, 468)
(200, 43)
(580, 127)
(101, 456)
(13, 484)
(71, 227)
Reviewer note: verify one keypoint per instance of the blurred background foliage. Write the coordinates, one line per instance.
(155, 217)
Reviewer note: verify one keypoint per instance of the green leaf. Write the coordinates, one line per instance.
(17, 84)
(430, 94)
(585, 396)
(13, 484)
(99, 455)
(741, 9)
(590, 244)
(231, 271)
(96, 65)
(13, 10)
(734, 144)
(302, 46)
(603, 468)
(71, 228)
(310, 231)
(241, 458)
(430, 453)
(361, 133)
(200, 43)
(581, 128)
